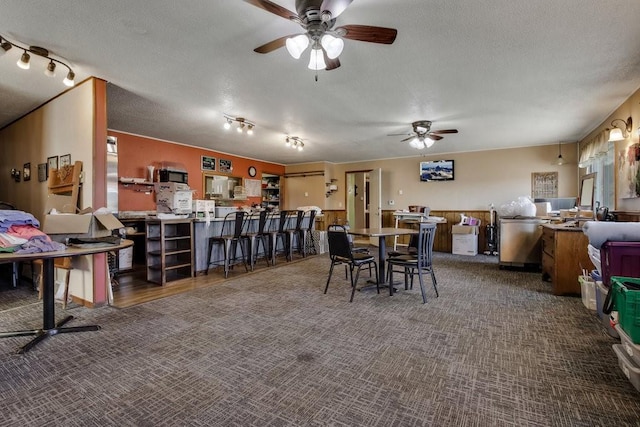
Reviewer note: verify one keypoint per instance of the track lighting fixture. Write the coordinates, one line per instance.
(294, 142)
(25, 59)
(242, 124)
(618, 134)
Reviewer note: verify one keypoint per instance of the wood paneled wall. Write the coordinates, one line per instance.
(443, 235)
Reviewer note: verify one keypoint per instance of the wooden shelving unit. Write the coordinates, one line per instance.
(169, 245)
(270, 191)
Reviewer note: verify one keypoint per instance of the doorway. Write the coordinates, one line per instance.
(363, 199)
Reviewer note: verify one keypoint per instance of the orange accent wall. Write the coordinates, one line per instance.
(135, 153)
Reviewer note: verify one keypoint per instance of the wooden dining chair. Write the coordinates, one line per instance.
(416, 264)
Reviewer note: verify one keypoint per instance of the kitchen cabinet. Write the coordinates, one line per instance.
(270, 191)
(169, 245)
(564, 255)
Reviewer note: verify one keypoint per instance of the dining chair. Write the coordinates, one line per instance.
(230, 238)
(255, 233)
(420, 263)
(340, 252)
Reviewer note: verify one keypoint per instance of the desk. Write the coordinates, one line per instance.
(381, 233)
(49, 326)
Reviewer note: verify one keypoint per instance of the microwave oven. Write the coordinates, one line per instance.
(167, 175)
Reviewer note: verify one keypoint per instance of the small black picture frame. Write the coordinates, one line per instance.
(52, 164)
(65, 160)
(226, 165)
(208, 163)
(42, 172)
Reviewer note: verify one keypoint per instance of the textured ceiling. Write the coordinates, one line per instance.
(506, 73)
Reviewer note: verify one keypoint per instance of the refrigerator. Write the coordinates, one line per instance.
(520, 241)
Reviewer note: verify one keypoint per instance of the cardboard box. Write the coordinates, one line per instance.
(60, 222)
(204, 206)
(89, 225)
(125, 258)
(464, 229)
(465, 244)
(173, 197)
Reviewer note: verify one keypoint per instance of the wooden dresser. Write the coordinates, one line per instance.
(564, 254)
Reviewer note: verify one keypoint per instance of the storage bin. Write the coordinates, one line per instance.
(627, 302)
(601, 295)
(632, 350)
(629, 368)
(588, 292)
(619, 259)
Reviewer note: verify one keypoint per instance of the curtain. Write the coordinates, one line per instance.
(597, 146)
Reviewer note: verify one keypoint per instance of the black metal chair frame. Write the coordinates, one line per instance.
(230, 238)
(340, 253)
(278, 231)
(257, 236)
(419, 264)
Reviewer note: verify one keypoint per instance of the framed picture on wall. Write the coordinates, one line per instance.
(225, 165)
(65, 160)
(52, 163)
(42, 172)
(208, 163)
(26, 171)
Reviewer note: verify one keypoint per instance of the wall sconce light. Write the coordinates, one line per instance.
(242, 124)
(618, 134)
(294, 142)
(15, 174)
(25, 59)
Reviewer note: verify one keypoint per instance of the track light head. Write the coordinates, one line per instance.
(51, 69)
(23, 62)
(70, 79)
(4, 46)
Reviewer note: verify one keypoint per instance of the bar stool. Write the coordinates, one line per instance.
(277, 231)
(230, 236)
(257, 236)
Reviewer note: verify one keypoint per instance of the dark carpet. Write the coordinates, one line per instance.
(270, 349)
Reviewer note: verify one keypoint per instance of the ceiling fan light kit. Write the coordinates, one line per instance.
(317, 18)
(423, 137)
(25, 59)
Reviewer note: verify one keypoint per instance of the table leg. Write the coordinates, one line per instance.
(382, 254)
(49, 326)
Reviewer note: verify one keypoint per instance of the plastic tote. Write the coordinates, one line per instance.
(624, 297)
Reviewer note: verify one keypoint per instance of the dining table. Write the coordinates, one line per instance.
(49, 325)
(381, 234)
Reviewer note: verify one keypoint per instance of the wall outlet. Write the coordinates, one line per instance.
(306, 194)
(339, 204)
(400, 192)
(391, 203)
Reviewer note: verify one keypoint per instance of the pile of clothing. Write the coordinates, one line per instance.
(20, 233)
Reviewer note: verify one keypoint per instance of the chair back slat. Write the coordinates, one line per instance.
(426, 235)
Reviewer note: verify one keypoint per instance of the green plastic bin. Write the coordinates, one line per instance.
(626, 300)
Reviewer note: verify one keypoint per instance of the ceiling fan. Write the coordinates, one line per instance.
(317, 18)
(423, 136)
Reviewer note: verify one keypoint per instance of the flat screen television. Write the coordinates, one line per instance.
(436, 170)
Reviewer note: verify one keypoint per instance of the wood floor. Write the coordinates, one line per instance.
(133, 288)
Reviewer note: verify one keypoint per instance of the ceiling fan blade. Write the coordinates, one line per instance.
(399, 134)
(367, 33)
(272, 45)
(434, 137)
(445, 131)
(407, 139)
(335, 7)
(275, 9)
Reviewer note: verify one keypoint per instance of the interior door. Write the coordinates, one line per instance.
(375, 202)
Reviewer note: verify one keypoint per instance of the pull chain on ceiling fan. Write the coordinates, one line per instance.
(317, 18)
